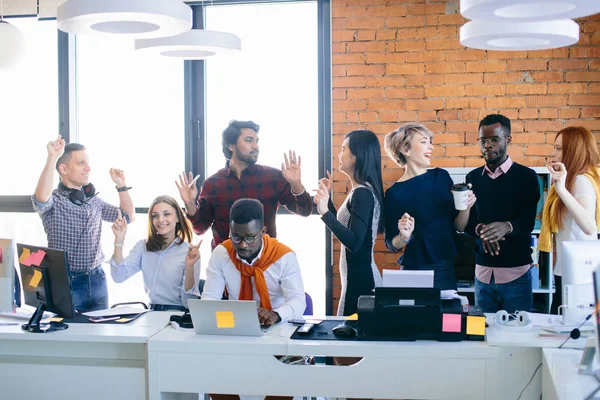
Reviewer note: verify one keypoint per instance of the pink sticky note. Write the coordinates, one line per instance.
(0, 255)
(36, 258)
(451, 322)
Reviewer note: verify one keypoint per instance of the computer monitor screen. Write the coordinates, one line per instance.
(579, 260)
(7, 274)
(45, 278)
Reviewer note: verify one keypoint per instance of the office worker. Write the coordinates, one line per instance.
(243, 177)
(502, 221)
(170, 264)
(572, 209)
(359, 218)
(72, 216)
(420, 214)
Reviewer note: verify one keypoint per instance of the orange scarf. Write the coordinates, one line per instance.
(271, 252)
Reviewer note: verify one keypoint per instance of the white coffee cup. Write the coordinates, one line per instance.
(460, 191)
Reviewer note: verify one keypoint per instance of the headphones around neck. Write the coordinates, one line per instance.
(79, 197)
(517, 322)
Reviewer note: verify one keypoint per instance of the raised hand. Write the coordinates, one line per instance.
(118, 177)
(328, 182)
(406, 226)
(193, 255)
(56, 148)
(119, 228)
(188, 191)
(559, 175)
(321, 198)
(290, 168)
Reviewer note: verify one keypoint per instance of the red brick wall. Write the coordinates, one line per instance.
(396, 61)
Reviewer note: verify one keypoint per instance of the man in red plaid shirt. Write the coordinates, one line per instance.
(243, 178)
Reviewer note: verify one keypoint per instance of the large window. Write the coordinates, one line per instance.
(29, 108)
(130, 115)
(273, 82)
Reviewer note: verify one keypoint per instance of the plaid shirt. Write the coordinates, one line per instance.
(76, 229)
(260, 182)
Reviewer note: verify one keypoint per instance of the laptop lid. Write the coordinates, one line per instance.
(225, 317)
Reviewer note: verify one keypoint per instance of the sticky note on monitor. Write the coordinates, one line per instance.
(225, 319)
(24, 256)
(475, 325)
(36, 278)
(36, 258)
(451, 323)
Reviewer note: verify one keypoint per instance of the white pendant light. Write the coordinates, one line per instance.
(195, 44)
(506, 35)
(527, 10)
(133, 18)
(12, 42)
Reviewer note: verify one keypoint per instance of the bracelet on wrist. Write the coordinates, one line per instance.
(123, 188)
(118, 244)
(297, 194)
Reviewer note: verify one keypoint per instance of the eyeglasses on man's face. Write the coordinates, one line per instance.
(493, 139)
(246, 239)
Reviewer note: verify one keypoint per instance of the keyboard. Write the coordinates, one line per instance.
(24, 314)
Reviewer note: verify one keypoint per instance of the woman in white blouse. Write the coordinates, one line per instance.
(170, 264)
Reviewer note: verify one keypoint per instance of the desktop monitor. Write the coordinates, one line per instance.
(45, 278)
(7, 275)
(579, 260)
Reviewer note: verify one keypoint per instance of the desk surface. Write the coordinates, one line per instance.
(566, 382)
(138, 331)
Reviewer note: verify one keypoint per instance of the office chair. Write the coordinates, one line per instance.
(309, 304)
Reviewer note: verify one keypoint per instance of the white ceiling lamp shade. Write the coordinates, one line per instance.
(196, 44)
(511, 36)
(132, 18)
(12, 44)
(527, 10)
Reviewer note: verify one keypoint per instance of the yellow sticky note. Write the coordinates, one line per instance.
(24, 255)
(123, 320)
(353, 317)
(36, 278)
(56, 319)
(225, 319)
(475, 325)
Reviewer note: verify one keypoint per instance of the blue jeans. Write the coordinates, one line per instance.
(511, 296)
(89, 290)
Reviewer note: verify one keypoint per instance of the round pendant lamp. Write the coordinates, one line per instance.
(195, 44)
(132, 18)
(12, 44)
(527, 10)
(494, 35)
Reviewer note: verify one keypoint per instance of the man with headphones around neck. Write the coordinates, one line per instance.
(72, 216)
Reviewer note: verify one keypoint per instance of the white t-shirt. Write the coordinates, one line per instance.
(582, 187)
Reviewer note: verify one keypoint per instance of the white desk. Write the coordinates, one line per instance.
(561, 381)
(86, 361)
(181, 361)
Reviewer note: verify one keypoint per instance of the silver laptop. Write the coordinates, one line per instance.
(225, 317)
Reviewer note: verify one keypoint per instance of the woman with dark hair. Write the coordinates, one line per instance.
(572, 209)
(170, 264)
(420, 214)
(359, 218)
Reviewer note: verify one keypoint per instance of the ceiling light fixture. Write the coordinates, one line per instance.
(133, 18)
(527, 10)
(506, 35)
(12, 42)
(195, 44)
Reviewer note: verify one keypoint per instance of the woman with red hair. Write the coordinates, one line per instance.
(572, 210)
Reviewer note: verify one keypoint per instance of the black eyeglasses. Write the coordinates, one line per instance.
(247, 239)
(493, 139)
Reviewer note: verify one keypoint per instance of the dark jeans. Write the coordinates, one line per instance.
(89, 290)
(512, 296)
(557, 296)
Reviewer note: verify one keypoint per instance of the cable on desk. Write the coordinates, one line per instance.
(529, 383)
(576, 333)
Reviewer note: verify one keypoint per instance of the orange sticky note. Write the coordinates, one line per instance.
(475, 325)
(123, 320)
(24, 255)
(55, 319)
(353, 317)
(36, 278)
(225, 319)
(451, 322)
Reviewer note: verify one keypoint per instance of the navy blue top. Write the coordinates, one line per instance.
(427, 198)
(511, 197)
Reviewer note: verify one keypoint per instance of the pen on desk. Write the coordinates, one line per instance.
(194, 180)
(8, 323)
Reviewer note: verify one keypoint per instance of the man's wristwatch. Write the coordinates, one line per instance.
(122, 188)
(278, 317)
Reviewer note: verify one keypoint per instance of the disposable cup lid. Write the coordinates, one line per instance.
(460, 187)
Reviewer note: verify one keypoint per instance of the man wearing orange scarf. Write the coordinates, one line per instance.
(253, 266)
